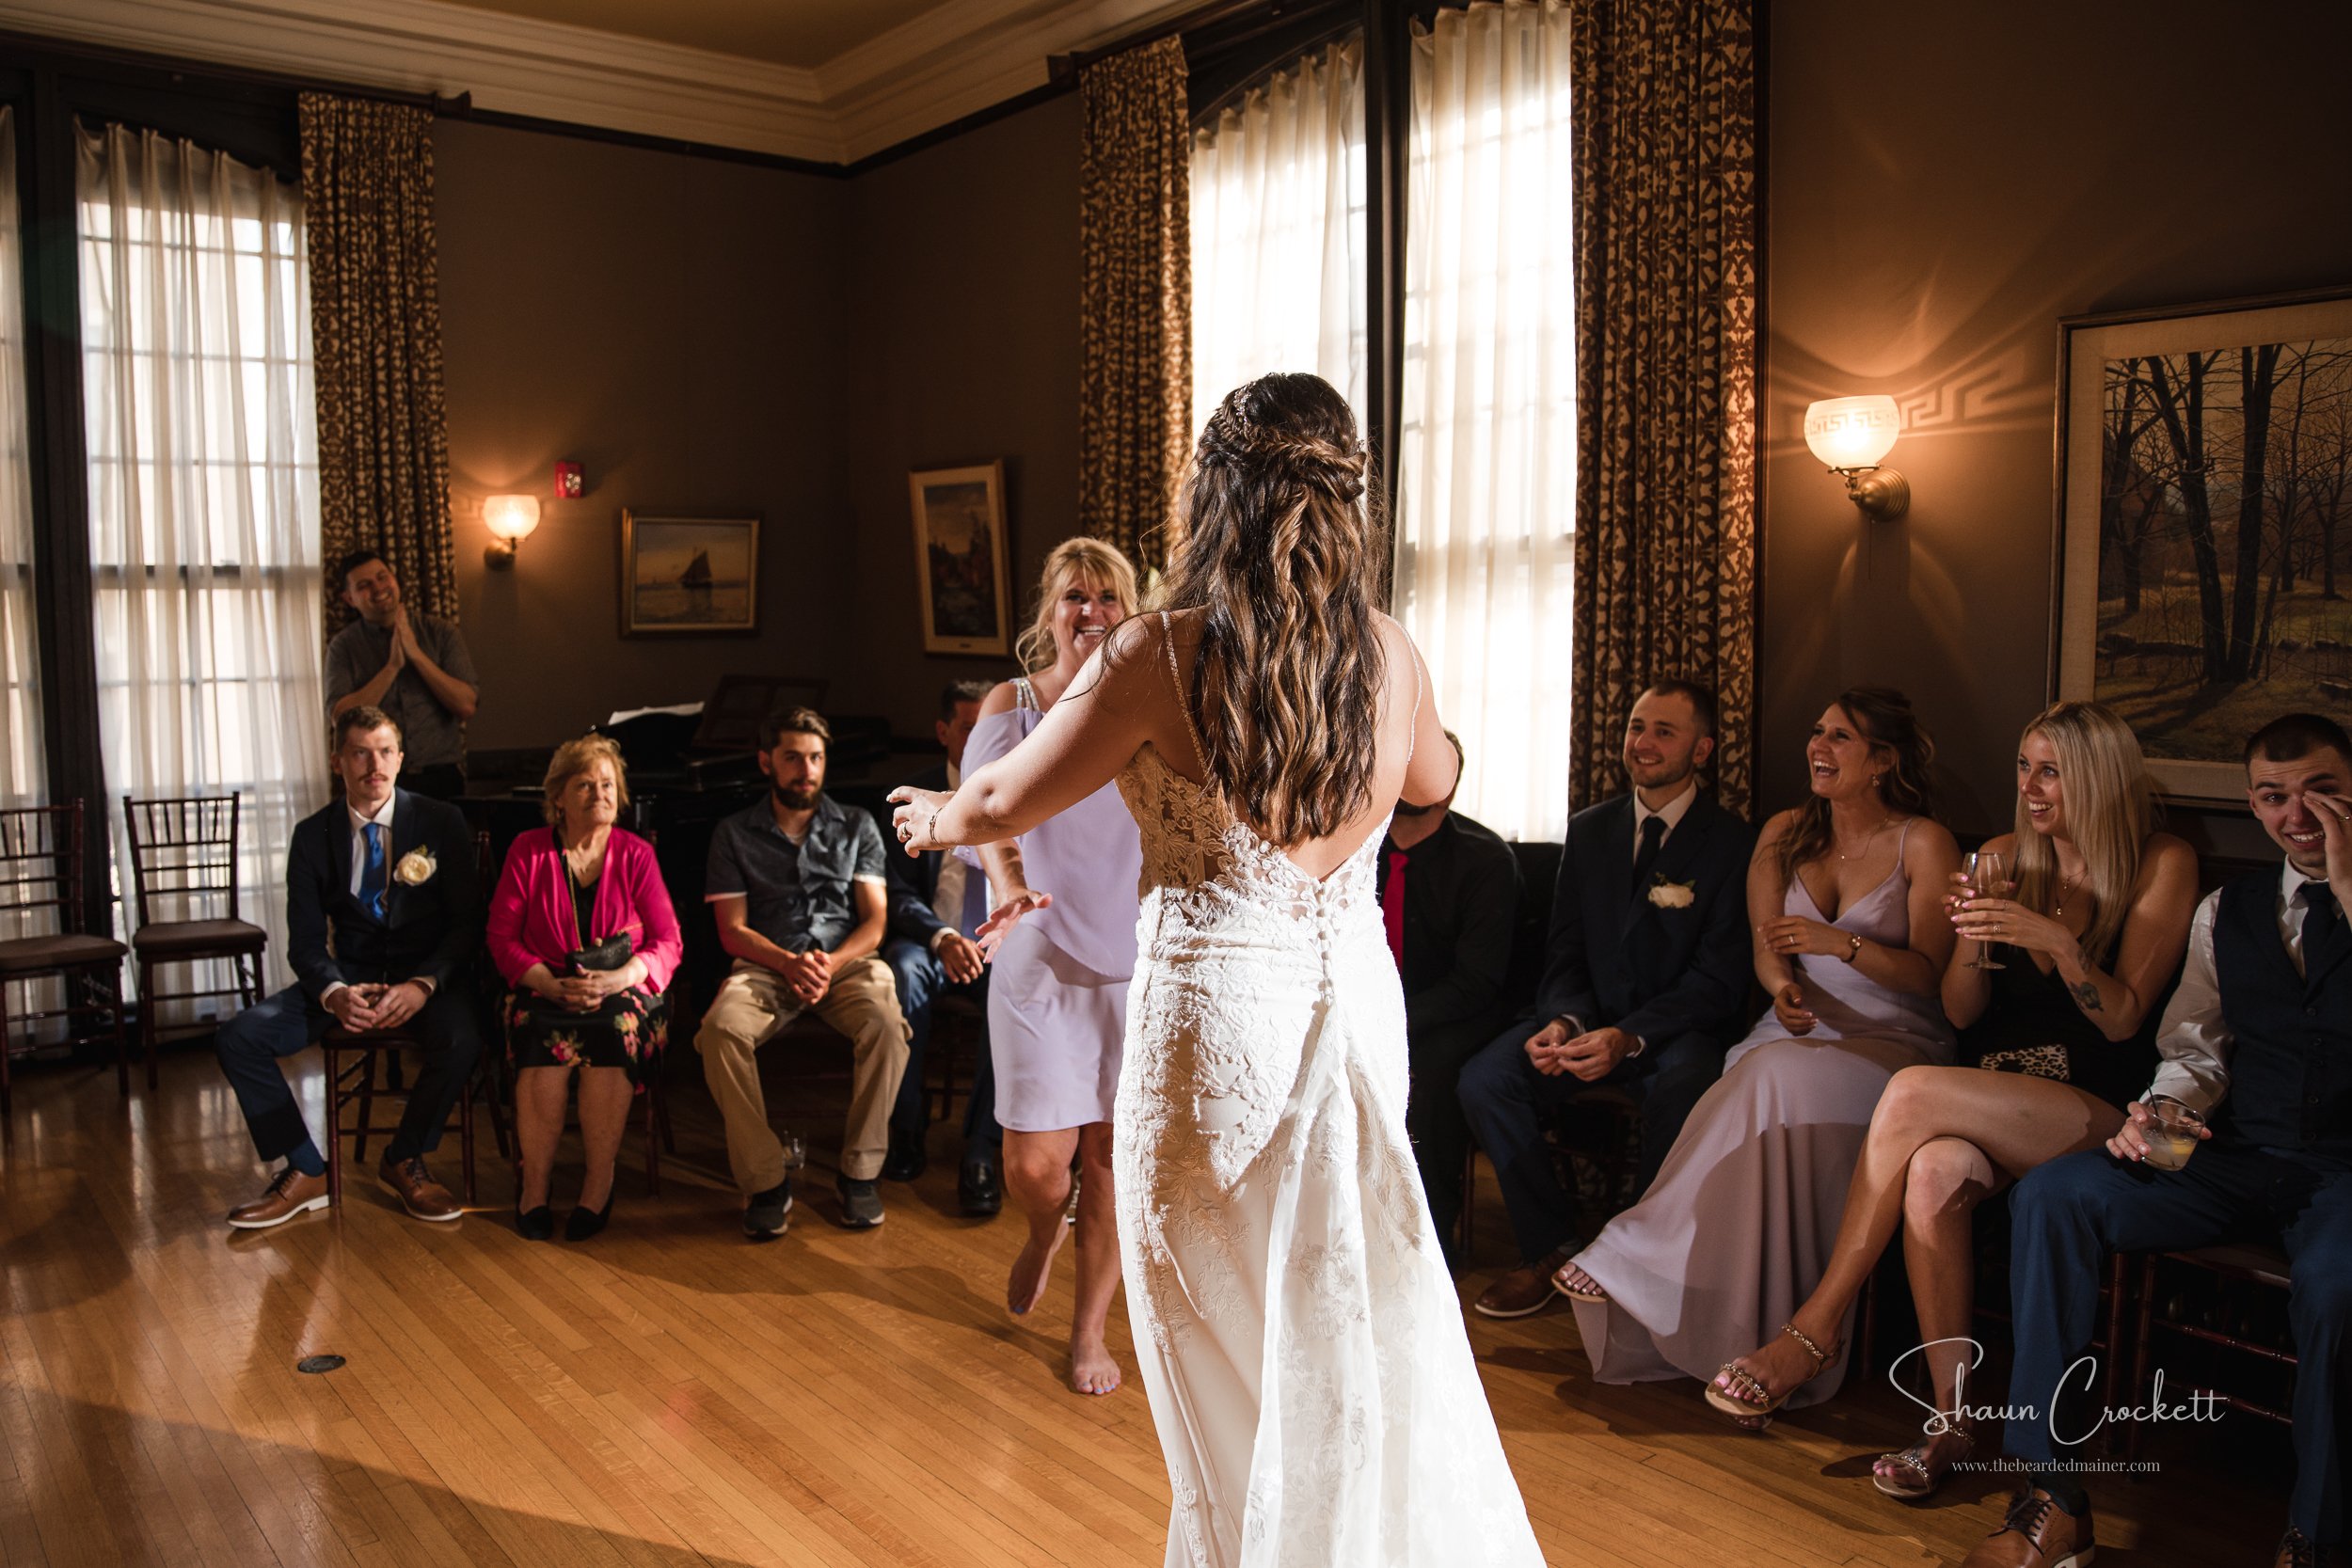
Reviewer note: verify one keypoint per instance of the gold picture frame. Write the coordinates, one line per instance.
(961, 559)
(690, 574)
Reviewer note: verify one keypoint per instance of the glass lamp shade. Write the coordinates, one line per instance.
(1852, 433)
(511, 518)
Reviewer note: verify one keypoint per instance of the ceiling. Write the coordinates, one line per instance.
(804, 34)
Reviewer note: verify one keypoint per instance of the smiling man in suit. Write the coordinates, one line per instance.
(383, 917)
(1645, 985)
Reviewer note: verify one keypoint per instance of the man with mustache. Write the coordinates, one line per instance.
(1449, 892)
(2258, 1037)
(383, 919)
(1644, 980)
(797, 886)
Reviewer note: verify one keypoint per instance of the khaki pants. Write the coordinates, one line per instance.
(753, 1006)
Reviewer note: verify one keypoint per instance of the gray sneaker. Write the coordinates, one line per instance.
(769, 1214)
(861, 1203)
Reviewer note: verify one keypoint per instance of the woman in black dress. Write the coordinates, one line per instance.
(2055, 1043)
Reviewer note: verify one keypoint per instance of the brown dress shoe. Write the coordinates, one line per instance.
(2297, 1550)
(289, 1192)
(2037, 1534)
(423, 1197)
(1523, 1293)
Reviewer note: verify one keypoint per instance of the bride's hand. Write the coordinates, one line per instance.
(1005, 916)
(917, 814)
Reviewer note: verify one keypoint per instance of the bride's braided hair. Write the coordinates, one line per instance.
(1279, 553)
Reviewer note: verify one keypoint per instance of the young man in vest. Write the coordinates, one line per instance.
(2258, 1038)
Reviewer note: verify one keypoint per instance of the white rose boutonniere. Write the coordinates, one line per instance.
(417, 867)
(1673, 896)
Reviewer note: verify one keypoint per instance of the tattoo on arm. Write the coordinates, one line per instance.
(2087, 996)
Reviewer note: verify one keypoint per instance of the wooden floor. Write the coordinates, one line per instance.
(671, 1395)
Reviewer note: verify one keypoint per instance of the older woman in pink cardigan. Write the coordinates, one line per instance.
(582, 930)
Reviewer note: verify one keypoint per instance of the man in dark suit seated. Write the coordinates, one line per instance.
(936, 903)
(1645, 981)
(1449, 891)
(2259, 1036)
(383, 918)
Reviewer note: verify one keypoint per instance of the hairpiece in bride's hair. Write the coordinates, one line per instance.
(1232, 440)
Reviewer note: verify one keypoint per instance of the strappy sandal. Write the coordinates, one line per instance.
(1914, 1460)
(1590, 1297)
(1750, 1403)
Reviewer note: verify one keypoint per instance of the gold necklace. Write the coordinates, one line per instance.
(2066, 891)
(1866, 839)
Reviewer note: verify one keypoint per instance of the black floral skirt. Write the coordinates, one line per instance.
(626, 1032)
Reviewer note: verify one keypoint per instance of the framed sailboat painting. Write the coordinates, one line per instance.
(689, 575)
(959, 555)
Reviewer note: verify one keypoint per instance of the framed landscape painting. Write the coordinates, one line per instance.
(960, 558)
(2205, 525)
(685, 576)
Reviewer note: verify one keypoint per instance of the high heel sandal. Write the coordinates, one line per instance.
(1914, 1460)
(1589, 1296)
(1750, 1403)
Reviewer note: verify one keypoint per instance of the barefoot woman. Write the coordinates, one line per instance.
(1057, 1003)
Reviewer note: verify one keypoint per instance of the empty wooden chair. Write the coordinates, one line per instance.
(41, 884)
(183, 864)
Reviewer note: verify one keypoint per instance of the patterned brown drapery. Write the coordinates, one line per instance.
(375, 334)
(1664, 104)
(1135, 239)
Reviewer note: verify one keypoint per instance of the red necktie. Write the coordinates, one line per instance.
(1393, 904)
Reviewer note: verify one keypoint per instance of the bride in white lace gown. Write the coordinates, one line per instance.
(1297, 1331)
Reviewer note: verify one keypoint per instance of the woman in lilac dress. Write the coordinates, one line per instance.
(1846, 895)
(1057, 998)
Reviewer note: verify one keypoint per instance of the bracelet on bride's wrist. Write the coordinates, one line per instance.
(1853, 949)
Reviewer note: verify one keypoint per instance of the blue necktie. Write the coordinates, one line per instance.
(371, 879)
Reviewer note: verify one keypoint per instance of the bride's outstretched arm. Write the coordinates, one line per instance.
(1078, 748)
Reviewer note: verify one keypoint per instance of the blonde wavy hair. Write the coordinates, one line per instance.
(2110, 811)
(1084, 561)
(573, 758)
(1280, 555)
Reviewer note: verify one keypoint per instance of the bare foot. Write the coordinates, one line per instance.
(1780, 1366)
(1091, 1369)
(1026, 1287)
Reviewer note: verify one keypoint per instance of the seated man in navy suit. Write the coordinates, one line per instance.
(936, 903)
(1645, 981)
(383, 919)
(2259, 1038)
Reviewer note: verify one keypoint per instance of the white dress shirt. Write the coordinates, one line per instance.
(1673, 811)
(2194, 1040)
(382, 817)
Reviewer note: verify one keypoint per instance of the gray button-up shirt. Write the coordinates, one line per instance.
(429, 732)
(799, 894)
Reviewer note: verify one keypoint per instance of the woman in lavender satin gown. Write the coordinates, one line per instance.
(1845, 895)
(1057, 993)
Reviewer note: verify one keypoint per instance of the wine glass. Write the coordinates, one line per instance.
(1985, 881)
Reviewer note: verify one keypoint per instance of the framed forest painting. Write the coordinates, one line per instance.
(2204, 477)
(960, 558)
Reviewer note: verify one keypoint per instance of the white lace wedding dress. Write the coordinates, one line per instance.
(1300, 1339)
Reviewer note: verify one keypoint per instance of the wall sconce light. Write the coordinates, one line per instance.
(1850, 435)
(511, 520)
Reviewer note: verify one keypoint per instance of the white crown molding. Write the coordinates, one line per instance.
(959, 58)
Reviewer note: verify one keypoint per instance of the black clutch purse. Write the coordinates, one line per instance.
(612, 953)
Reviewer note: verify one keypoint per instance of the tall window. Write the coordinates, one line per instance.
(1278, 232)
(1487, 459)
(203, 485)
(23, 775)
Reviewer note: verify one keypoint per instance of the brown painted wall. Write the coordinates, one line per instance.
(1944, 183)
(963, 286)
(711, 336)
(675, 325)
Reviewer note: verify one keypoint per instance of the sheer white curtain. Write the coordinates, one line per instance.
(1278, 232)
(23, 779)
(1486, 458)
(204, 484)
